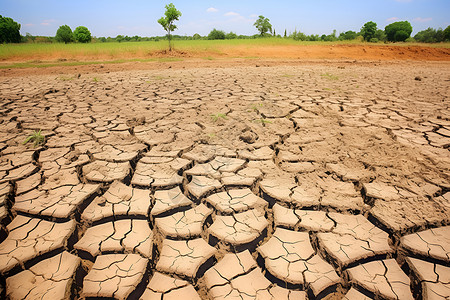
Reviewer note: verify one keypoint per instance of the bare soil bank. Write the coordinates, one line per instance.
(246, 56)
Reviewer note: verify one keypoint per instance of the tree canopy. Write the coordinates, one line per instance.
(263, 25)
(82, 34)
(9, 31)
(368, 30)
(398, 31)
(64, 34)
(167, 22)
(216, 35)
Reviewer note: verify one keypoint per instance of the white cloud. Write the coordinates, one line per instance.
(212, 10)
(28, 25)
(48, 22)
(422, 20)
(392, 19)
(232, 14)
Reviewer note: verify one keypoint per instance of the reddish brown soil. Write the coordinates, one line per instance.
(250, 56)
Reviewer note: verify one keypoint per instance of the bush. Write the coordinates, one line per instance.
(398, 31)
(348, 35)
(82, 34)
(231, 36)
(216, 35)
(374, 40)
(64, 34)
(196, 36)
(380, 35)
(9, 31)
(298, 36)
(313, 38)
(426, 36)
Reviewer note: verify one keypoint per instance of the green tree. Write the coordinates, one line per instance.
(167, 22)
(9, 31)
(82, 34)
(285, 33)
(64, 34)
(231, 36)
(398, 31)
(368, 30)
(196, 36)
(348, 35)
(446, 33)
(380, 35)
(426, 36)
(263, 25)
(216, 35)
(298, 36)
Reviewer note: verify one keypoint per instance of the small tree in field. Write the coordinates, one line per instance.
(82, 34)
(263, 25)
(64, 34)
(368, 30)
(171, 15)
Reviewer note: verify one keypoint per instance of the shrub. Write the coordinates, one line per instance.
(426, 36)
(64, 34)
(298, 36)
(9, 31)
(380, 35)
(231, 36)
(216, 35)
(374, 40)
(398, 31)
(82, 34)
(348, 35)
(196, 36)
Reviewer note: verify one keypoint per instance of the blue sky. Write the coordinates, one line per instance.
(139, 17)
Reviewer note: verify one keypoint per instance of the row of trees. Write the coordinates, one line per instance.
(395, 32)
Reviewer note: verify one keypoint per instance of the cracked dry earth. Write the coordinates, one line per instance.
(308, 182)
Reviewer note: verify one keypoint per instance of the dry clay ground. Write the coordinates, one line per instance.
(324, 180)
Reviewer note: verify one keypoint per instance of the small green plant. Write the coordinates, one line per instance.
(218, 116)
(255, 107)
(330, 76)
(95, 79)
(211, 135)
(36, 137)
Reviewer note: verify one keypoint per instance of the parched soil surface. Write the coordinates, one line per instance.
(252, 180)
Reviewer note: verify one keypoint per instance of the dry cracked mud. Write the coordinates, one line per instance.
(326, 180)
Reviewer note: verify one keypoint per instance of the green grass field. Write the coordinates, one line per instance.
(45, 55)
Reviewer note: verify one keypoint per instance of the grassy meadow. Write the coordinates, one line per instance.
(56, 54)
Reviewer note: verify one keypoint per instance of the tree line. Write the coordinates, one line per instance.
(395, 32)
